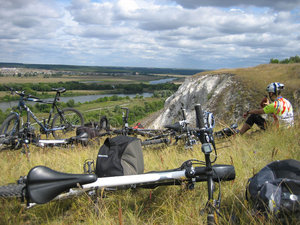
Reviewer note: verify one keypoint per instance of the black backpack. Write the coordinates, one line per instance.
(276, 188)
(118, 156)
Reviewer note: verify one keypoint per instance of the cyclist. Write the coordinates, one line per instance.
(280, 108)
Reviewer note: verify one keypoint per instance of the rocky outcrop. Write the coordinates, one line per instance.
(217, 93)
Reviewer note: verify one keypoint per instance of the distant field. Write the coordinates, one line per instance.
(38, 79)
(65, 78)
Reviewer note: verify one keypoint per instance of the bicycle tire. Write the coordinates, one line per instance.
(73, 118)
(12, 190)
(10, 131)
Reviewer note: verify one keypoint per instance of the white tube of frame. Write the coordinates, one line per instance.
(135, 179)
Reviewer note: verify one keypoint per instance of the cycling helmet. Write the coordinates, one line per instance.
(275, 87)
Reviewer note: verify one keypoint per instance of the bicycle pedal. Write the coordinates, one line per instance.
(89, 166)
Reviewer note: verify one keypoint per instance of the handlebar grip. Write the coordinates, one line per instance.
(200, 124)
(219, 172)
(183, 113)
(199, 116)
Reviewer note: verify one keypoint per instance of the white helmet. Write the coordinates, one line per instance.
(275, 87)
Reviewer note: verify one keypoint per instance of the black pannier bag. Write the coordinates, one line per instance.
(92, 129)
(276, 188)
(89, 131)
(118, 156)
(103, 124)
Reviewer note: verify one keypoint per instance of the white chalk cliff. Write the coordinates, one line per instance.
(216, 93)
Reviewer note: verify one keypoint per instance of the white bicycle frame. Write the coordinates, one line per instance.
(117, 181)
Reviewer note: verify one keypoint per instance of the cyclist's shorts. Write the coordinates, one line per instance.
(256, 119)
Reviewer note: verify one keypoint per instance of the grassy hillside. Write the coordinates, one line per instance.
(260, 76)
(256, 79)
(163, 205)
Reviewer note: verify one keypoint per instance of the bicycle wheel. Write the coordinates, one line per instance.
(70, 119)
(9, 131)
(12, 190)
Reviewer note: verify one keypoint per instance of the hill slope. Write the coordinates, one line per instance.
(230, 92)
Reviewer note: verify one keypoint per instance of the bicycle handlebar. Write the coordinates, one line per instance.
(29, 97)
(12, 91)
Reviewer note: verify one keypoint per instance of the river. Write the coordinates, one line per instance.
(162, 81)
(85, 98)
(81, 99)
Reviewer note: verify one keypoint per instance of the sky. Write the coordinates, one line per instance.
(195, 34)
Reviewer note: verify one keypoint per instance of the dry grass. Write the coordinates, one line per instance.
(163, 205)
(260, 76)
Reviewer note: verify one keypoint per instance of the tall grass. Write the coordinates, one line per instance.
(163, 205)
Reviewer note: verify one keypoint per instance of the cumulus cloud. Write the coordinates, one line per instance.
(161, 33)
(272, 4)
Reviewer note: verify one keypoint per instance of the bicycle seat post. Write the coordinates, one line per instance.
(125, 120)
(56, 97)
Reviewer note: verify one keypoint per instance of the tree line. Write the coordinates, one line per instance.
(293, 59)
(75, 85)
(45, 88)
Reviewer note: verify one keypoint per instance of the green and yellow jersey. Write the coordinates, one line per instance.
(282, 111)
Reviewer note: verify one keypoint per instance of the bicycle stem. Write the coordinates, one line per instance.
(206, 148)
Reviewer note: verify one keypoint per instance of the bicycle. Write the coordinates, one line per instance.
(95, 130)
(127, 131)
(181, 131)
(227, 131)
(43, 184)
(14, 133)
